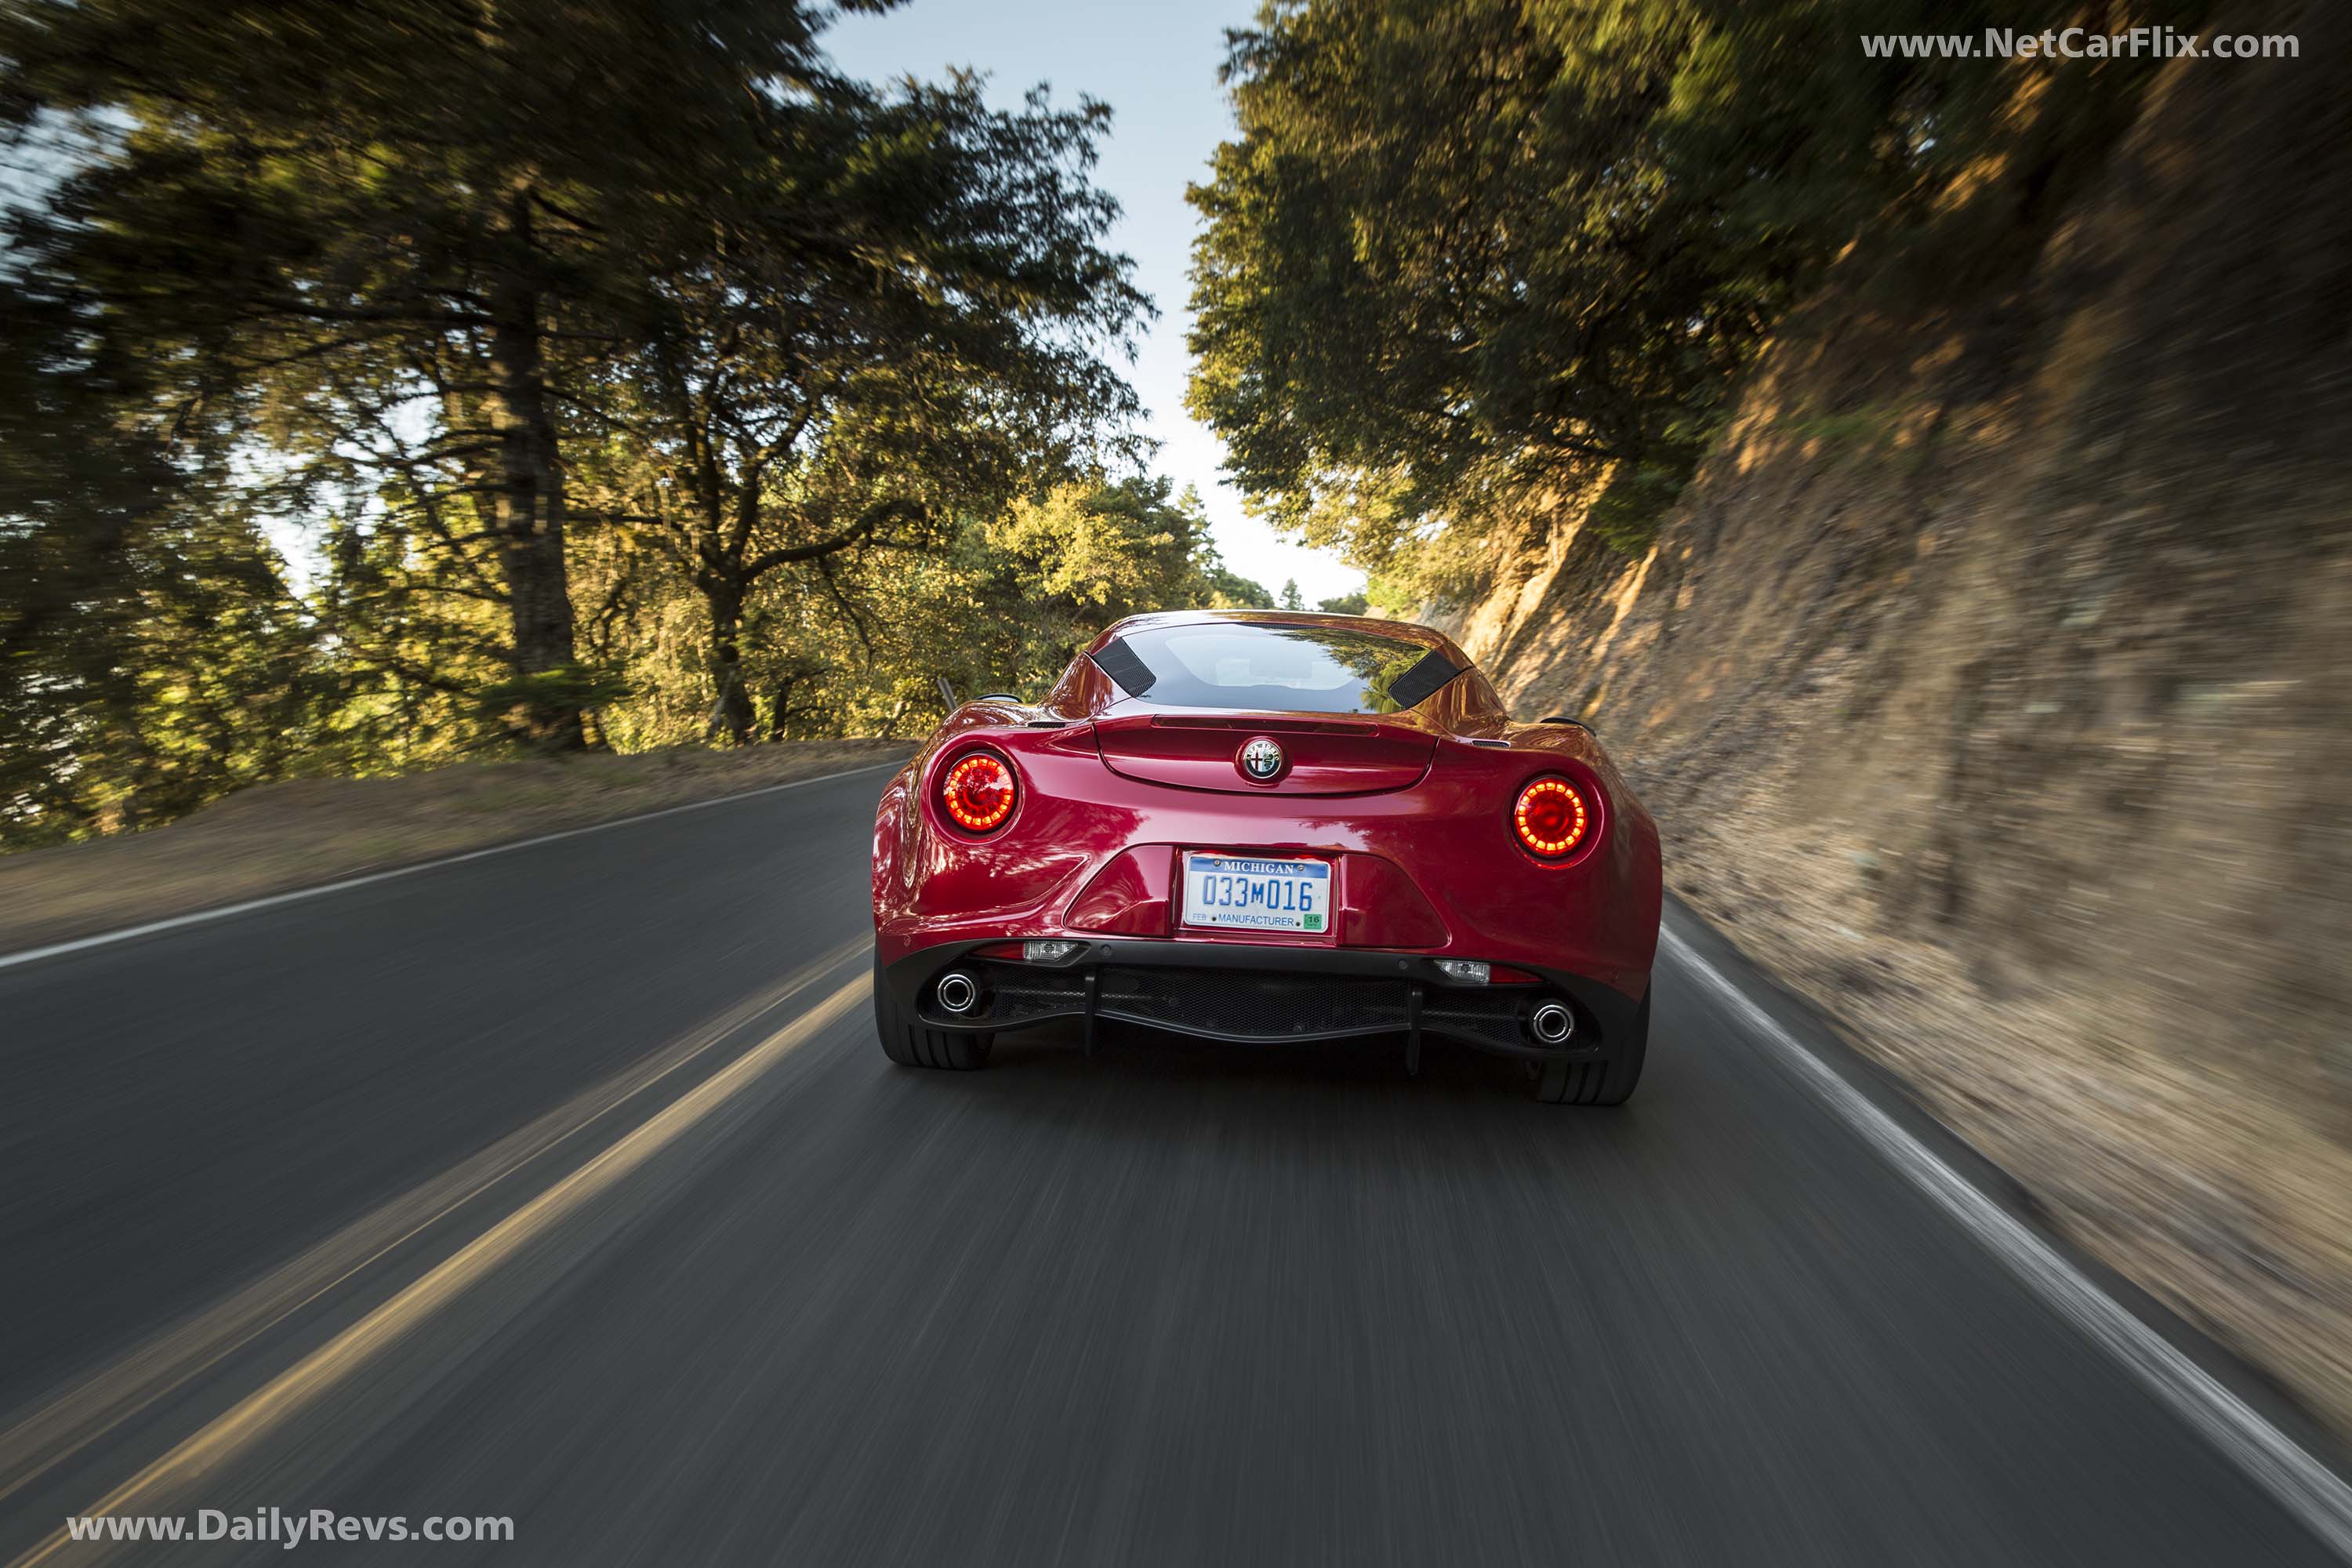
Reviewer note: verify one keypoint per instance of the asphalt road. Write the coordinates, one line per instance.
(569, 1186)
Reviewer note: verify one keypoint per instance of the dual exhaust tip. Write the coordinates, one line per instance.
(958, 994)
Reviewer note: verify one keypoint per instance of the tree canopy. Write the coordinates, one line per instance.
(1462, 253)
(390, 383)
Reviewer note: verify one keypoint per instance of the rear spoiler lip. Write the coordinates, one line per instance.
(1273, 723)
(1138, 710)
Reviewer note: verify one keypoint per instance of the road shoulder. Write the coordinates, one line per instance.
(2246, 1416)
(282, 840)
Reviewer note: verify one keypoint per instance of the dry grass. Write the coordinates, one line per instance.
(288, 835)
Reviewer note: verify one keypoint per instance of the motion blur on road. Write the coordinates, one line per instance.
(654, 1253)
(491, 489)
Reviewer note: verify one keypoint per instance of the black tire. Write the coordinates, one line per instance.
(910, 1045)
(1607, 1082)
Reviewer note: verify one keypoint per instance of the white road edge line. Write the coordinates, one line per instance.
(198, 917)
(2274, 1461)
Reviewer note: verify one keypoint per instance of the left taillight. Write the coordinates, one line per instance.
(979, 792)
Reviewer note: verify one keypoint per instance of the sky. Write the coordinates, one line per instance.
(1155, 63)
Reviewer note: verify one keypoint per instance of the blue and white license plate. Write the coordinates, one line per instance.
(1235, 893)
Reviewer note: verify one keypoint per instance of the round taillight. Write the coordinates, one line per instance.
(1551, 817)
(979, 792)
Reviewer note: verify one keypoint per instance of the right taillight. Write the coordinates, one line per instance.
(1551, 817)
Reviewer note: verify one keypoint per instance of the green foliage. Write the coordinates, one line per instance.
(1345, 604)
(654, 412)
(1231, 591)
(311, 221)
(1869, 427)
(1040, 582)
(1471, 256)
(1385, 596)
(1627, 511)
(576, 686)
(733, 400)
(195, 673)
(797, 403)
(150, 655)
(1002, 604)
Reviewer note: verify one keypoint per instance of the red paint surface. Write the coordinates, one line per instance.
(1326, 756)
(1132, 895)
(1427, 859)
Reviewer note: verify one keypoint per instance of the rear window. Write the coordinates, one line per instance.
(1284, 669)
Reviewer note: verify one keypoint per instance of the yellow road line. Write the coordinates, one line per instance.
(311, 1379)
(65, 1422)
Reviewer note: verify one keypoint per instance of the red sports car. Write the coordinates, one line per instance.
(1253, 826)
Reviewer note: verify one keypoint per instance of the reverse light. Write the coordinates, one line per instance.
(1050, 950)
(1550, 817)
(1478, 972)
(979, 792)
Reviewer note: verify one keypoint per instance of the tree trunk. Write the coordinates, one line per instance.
(530, 503)
(732, 712)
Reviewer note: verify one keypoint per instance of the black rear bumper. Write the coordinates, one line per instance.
(1254, 994)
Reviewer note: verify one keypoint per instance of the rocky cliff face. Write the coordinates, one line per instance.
(1993, 683)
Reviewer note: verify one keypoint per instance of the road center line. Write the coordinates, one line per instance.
(302, 1385)
(2274, 1461)
(63, 1421)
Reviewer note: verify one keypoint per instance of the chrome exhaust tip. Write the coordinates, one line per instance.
(1551, 1023)
(957, 992)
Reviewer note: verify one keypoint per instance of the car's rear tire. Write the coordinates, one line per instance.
(907, 1042)
(1607, 1082)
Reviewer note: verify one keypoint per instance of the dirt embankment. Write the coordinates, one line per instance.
(1994, 686)
(298, 835)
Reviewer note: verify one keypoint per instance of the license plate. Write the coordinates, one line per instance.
(1233, 892)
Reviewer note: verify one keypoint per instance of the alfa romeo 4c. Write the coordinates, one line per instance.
(1254, 827)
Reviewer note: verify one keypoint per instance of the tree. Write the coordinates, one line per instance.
(324, 214)
(898, 320)
(1006, 601)
(1463, 252)
(1231, 591)
(152, 655)
(1291, 599)
(1345, 604)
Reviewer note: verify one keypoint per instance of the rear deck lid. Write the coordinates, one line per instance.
(1315, 756)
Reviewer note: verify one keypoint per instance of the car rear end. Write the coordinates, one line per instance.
(1421, 869)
